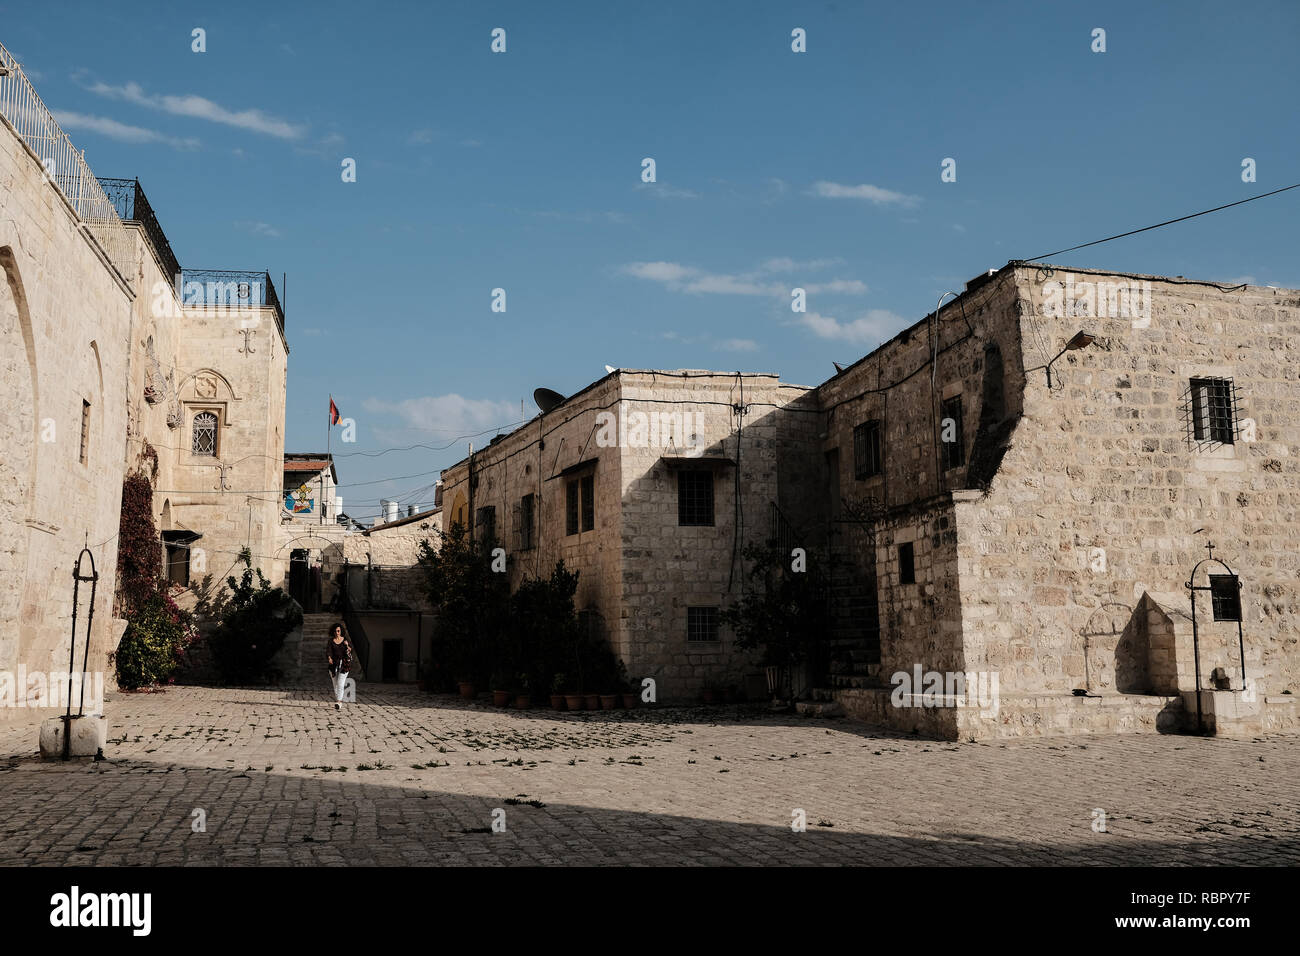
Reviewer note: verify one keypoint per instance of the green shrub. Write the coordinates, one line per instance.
(253, 626)
(153, 646)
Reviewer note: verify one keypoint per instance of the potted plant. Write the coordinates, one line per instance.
(523, 700)
(574, 701)
(591, 701)
(608, 701)
(500, 690)
(627, 689)
(557, 692)
(466, 688)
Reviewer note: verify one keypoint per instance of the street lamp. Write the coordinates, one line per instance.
(1080, 340)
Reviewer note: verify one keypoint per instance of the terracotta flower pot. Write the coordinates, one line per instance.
(608, 701)
(501, 698)
(557, 702)
(630, 700)
(592, 701)
(466, 690)
(706, 695)
(523, 701)
(574, 701)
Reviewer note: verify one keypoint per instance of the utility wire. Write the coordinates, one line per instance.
(1168, 222)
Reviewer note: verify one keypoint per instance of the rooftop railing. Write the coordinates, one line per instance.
(132, 206)
(227, 289)
(64, 165)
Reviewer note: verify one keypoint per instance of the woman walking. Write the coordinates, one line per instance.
(338, 658)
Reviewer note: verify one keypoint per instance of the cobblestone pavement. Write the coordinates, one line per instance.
(406, 778)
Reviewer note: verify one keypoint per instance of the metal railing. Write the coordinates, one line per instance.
(132, 206)
(230, 289)
(64, 165)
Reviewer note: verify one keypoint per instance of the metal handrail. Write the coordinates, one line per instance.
(133, 206)
(64, 166)
(230, 288)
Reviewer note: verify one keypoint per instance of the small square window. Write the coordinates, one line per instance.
(695, 498)
(1225, 597)
(867, 460)
(906, 564)
(951, 436)
(701, 624)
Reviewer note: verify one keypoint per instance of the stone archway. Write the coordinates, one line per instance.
(20, 437)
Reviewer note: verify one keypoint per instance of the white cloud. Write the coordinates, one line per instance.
(198, 107)
(119, 131)
(682, 278)
(665, 191)
(421, 136)
(874, 194)
(786, 264)
(264, 229)
(874, 326)
(737, 345)
(447, 414)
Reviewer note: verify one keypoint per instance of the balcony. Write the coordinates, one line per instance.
(227, 289)
(129, 200)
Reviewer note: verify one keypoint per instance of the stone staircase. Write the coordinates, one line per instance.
(302, 658)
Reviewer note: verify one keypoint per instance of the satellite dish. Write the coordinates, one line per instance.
(547, 399)
(610, 369)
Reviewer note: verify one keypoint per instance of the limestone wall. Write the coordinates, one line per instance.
(64, 323)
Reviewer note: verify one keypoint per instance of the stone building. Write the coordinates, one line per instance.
(108, 349)
(1012, 496)
(648, 483)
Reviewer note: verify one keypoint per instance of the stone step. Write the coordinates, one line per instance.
(819, 708)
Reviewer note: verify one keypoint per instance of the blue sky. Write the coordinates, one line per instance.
(522, 171)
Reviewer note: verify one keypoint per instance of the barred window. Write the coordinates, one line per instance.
(695, 498)
(950, 427)
(1225, 597)
(866, 450)
(526, 522)
(571, 508)
(906, 564)
(701, 624)
(204, 441)
(1213, 416)
(588, 502)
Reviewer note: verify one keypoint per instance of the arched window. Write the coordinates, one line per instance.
(205, 435)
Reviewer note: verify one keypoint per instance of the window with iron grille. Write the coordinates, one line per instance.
(485, 523)
(906, 564)
(701, 624)
(84, 454)
(954, 452)
(695, 497)
(1214, 417)
(526, 522)
(204, 441)
(588, 502)
(866, 450)
(1225, 597)
(571, 508)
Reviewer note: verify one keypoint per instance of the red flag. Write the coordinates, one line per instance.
(334, 412)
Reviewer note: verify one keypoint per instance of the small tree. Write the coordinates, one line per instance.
(783, 612)
(253, 626)
(472, 602)
(153, 646)
(139, 552)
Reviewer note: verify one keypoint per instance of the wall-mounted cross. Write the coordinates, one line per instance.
(1209, 546)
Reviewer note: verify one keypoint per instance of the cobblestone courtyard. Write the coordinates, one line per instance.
(406, 778)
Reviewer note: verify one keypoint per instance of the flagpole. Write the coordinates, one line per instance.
(329, 430)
